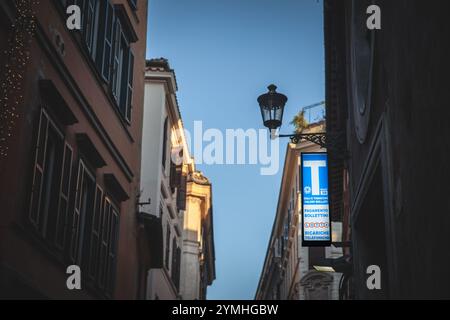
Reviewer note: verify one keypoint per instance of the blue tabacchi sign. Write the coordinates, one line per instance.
(316, 224)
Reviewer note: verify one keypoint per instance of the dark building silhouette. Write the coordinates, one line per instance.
(387, 118)
(70, 164)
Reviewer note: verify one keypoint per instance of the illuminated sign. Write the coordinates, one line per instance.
(316, 224)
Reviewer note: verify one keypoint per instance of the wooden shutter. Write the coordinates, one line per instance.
(124, 62)
(105, 39)
(176, 171)
(102, 276)
(116, 61)
(95, 233)
(178, 266)
(129, 99)
(181, 193)
(39, 166)
(164, 147)
(174, 262)
(63, 205)
(167, 244)
(75, 227)
(112, 251)
(133, 4)
(89, 24)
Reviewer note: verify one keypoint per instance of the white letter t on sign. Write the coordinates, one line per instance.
(315, 183)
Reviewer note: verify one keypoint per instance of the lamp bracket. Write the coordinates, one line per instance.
(327, 140)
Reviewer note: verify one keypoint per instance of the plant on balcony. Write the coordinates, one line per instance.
(299, 122)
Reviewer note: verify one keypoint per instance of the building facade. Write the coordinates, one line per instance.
(198, 260)
(167, 192)
(288, 272)
(386, 97)
(70, 177)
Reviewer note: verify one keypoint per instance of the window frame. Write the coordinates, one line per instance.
(133, 5)
(167, 247)
(165, 143)
(38, 219)
(100, 256)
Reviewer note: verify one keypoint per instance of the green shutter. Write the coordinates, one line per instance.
(129, 100)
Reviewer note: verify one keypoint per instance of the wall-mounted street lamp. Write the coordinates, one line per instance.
(272, 106)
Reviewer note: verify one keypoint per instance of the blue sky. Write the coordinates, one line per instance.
(225, 53)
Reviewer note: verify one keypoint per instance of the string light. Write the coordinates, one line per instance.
(18, 55)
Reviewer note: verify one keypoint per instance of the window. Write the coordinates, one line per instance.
(107, 42)
(111, 232)
(64, 197)
(84, 206)
(124, 76)
(176, 169)
(175, 270)
(95, 232)
(52, 171)
(167, 244)
(164, 148)
(105, 36)
(77, 220)
(133, 4)
(127, 85)
(181, 193)
(115, 59)
(90, 25)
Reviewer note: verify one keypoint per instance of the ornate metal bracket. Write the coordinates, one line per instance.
(316, 138)
(332, 141)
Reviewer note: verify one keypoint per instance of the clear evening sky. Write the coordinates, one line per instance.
(225, 53)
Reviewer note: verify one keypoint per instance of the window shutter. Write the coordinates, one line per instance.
(75, 230)
(112, 251)
(104, 244)
(105, 38)
(133, 4)
(167, 257)
(39, 166)
(63, 206)
(174, 269)
(277, 248)
(176, 172)
(129, 100)
(89, 24)
(124, 67)
(181, 193)
(95, 234)
(116, 61)
(177, 274)
(164, 148)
